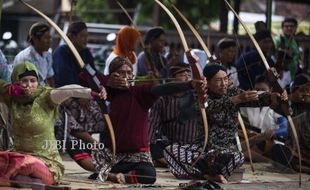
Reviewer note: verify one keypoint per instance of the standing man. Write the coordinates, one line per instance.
(226, 53)
(287, 42)
(37, 53)
(155, 41)
(64, 63)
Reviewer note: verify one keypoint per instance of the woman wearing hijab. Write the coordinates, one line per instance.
(33, 108)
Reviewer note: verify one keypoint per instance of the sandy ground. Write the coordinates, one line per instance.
(264, 177)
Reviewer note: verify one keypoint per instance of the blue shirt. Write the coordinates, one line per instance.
(66, 67)
(4, 68)
(42, 62)
(249, 66)
(159, 61)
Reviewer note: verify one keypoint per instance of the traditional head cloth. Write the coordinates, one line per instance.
(300, 79)
(76, 27)
(153, 33)
(262, 35)
(37, 30)
(23, 69)
(211, 69)
(289, 19)
(117, 62)
(125, 43)
(226, 43)
(178, 68)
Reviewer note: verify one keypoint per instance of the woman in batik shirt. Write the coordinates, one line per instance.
(33, 108)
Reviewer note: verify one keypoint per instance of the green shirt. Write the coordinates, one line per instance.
(32, 122)
(293, 45)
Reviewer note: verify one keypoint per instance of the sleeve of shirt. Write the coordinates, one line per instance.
(142, 68)
(242, 74)
(155, 120)
(282, 131)
(4, 72)
(50, 70)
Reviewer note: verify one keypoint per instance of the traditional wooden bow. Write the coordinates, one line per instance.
(197, 75)
(276, 86)
(149, 61)
(214, 59)
(83, 66)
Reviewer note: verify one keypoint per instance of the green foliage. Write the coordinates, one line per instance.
(199, 12)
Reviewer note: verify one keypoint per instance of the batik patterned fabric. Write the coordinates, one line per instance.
(42, 62)
(214, 162)
(104, 163)
(223, 118)
(87, 118)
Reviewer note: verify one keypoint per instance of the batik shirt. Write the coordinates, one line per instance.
(42, 62)
(222, 116)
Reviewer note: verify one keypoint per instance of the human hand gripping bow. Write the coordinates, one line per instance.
(91, 73)
(275, 86)
(197, 75)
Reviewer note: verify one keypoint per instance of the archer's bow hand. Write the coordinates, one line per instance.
(101, 95)
(245, 96)
(116, 81)
(277, 98)
(202, 87)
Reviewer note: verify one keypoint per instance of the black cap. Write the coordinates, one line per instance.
(153, 33)
(226, 43)
(300, 79)
(211, 69)
(76, 27)
(261, 35)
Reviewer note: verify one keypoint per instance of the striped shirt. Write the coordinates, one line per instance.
(169, 118)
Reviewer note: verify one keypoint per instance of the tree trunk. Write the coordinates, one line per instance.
(223, 17)
(121, 17)
(236, 22)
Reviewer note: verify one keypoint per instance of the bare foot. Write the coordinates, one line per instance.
(117, 178)
(217, 178)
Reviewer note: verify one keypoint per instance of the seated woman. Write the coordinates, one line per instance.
(35, 158)
(221, 157)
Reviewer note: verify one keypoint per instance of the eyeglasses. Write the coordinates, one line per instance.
(289, 26)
